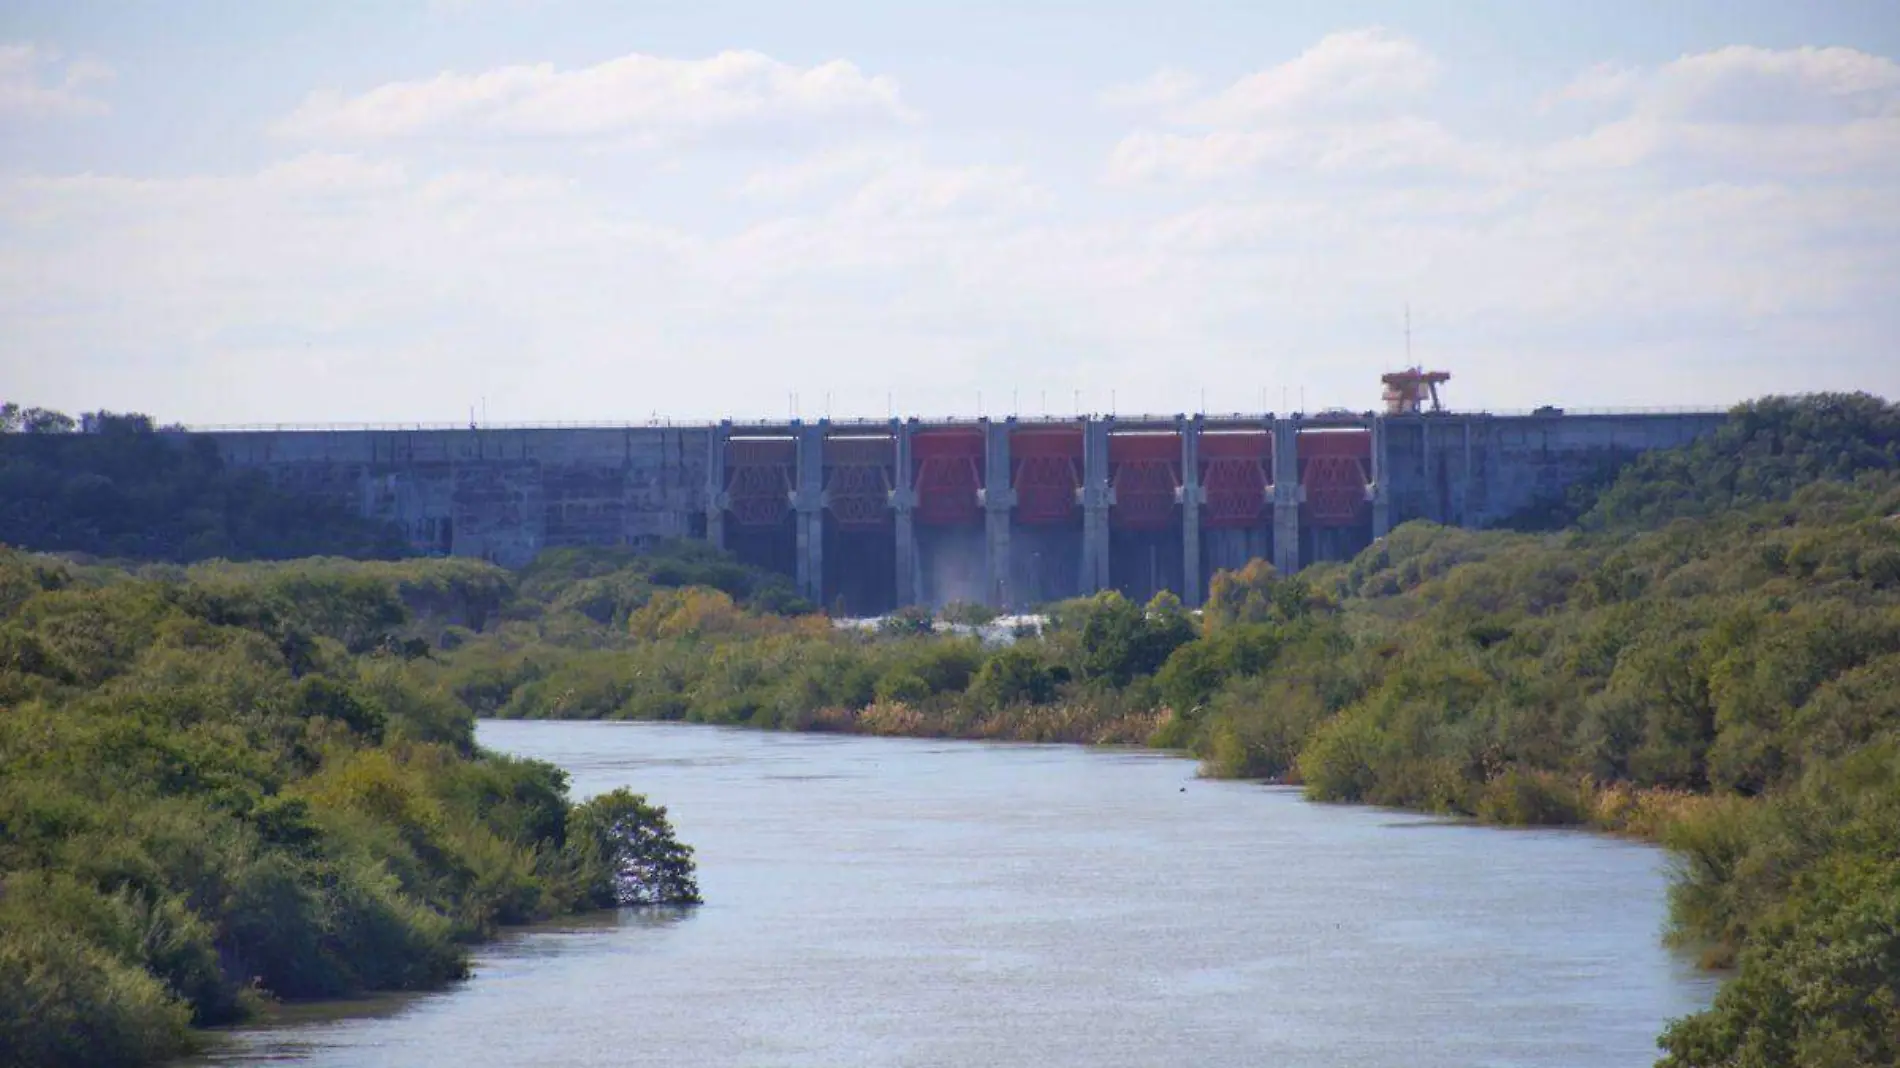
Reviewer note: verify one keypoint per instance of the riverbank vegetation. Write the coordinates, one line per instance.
(129, 488)
(225, 784)
(1706, 653)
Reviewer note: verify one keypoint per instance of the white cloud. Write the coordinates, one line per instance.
(917, 189)
(1352, 103)
(1800, 110)
(639, 95)
(1739, 148)
(1601, 84)
(894, 180)
(1145, 155)
(1371, 68)
(1751, 85)
(1165, 86)
(329, 173)
(1405, 144)
(36, 84)
(820, 171)
(1757, 85)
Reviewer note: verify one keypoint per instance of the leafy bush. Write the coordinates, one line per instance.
(1767, 451)
(1015, 676)
(625, 853)
(1529, 798)
(1803, 891)
(67, 1002)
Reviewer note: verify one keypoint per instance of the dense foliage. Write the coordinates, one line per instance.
(1813, 877)
(227, 783)
(125, 488)
(1766, 451)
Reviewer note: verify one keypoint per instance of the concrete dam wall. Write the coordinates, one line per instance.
(868, 516)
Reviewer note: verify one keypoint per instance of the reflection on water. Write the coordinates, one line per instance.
(894, 902)
(293, 1033)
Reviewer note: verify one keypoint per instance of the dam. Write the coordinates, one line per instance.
(869, 515)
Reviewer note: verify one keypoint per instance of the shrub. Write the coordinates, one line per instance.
(902, 687)
(1012, 676)
(65, 1002)
(624, 852)
(1259, 726)
(1340, 764)
(1818, 985)
(1530, 798)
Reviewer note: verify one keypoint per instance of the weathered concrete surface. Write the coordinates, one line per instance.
(1479, 470)
(505, 495)
(502, 495)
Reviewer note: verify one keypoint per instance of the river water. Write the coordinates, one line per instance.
(875, 902)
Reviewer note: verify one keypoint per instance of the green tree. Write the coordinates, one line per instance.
(1013, 676)
(1818, 985)
(1258, 594)
(626, 853)
(129, 489)
(1118, 640)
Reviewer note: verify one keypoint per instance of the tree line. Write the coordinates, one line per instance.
(121, 486)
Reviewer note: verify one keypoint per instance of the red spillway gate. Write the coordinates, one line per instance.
(1046, 473)
(1236, 477)
(1145, 470)
(759, 478)
(1335, 469)
(947, 471)
(858, 481)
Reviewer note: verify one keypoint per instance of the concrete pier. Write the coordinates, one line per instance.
(716, 499)
(904, 511)
(1191, 500)
(1380, 490)
(808, 506)
(999, 498)
(1097, 499)
(1288, 495)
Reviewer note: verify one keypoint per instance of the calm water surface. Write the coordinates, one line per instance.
(897, 902)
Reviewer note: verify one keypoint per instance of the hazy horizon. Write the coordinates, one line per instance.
(561, 210)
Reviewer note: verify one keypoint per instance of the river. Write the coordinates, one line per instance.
(883, 902)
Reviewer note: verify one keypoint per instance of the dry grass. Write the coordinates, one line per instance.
(1643, 813)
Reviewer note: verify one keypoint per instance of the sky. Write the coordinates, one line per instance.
(563, 210)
